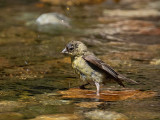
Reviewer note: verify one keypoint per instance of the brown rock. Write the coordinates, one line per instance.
(11, 116)
(151, 31)
(136, 27)
(107, 95)
(88, 104)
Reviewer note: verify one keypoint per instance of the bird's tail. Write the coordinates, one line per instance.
(123, 78)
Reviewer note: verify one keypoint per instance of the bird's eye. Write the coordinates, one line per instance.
(71, 48)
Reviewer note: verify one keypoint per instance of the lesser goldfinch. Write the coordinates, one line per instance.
(90, 68)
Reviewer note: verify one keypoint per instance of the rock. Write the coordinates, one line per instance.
(55, 102)
(144, 115)
(11, 116)
(57, 117)
(6, 106)
(53, 19)
(154, 5)
(105, 115)
(89, 104)
(155, 62)
(150, 31)
(72, 2)
(132, 13)
(52, 23)
(107, 95)
(132, 25)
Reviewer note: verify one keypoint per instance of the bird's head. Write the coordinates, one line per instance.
(75, 48)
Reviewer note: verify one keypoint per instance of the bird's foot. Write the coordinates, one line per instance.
(83, 86)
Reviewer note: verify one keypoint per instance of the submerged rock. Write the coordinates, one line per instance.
(6, 106)
(107, 95)
(132, 13)
(132, 25)
(89, 104)
(11, 116)
(105, 115)
(155, 62)
(72, 2)
(57, 117)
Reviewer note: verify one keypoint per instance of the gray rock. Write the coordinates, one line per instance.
(53, 19)
(105, 115)
(53, 23)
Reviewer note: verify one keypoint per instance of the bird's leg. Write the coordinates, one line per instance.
(98, 88)
(83, 86)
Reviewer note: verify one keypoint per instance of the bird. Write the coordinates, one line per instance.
(90, 68)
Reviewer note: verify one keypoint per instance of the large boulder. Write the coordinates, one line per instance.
(52, 23)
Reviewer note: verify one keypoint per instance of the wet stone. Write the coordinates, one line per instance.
(11, 116)
(6, 106)
(132, 13)
(105, 115)
(55, 102)
(72, 2)
(52, 19)
(107, 95)
(132, 26)
(139, 115)
(88, 104)
(57, 117)
(52, 23)
(155, 62)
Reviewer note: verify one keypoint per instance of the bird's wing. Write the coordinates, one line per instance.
(104, 67)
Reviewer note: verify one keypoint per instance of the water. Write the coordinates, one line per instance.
(32, 69)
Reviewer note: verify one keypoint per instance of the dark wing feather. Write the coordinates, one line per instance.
(103, 66)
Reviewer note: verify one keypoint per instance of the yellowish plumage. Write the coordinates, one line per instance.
(85, 72)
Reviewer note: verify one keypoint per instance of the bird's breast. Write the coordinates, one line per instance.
(80, 64)
(82, 68)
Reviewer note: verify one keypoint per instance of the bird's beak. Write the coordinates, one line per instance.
(64, 51)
